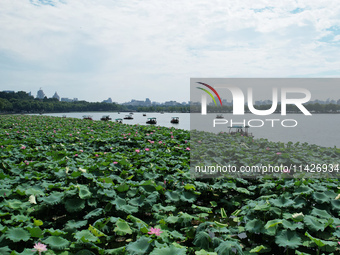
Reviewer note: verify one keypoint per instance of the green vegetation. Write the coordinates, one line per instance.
(21, 102)
(93, 187)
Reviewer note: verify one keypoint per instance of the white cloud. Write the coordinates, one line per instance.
(138, 49)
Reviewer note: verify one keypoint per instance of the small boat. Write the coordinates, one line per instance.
(151, 121)
(118, 112)
(105, 118)
(64, 116)
(174, 120)
(219, 116)
(131, 113)
(239, 130)
(87, 117)
(128, 117)
(119, 120)
(144, 114)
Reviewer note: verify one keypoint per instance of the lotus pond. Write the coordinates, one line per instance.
(92, 187)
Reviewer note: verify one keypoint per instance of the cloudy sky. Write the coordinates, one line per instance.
(95, 49)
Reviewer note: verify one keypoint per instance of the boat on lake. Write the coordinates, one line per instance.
(105, 118)
(87, 117)
(174, 120)
(128, 117)
(144, 114)
(242, 130)
(119, 120)
(151, 121)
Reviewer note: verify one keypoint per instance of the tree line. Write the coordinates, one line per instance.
(22, 102)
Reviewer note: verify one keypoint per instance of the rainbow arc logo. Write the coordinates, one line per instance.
(209, 93)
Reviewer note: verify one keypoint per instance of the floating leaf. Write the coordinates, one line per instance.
(287, 238)
(57, 242)
(17, 234)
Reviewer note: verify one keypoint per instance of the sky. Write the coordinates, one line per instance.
(137, 49)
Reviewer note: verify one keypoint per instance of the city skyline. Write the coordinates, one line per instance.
(91, 49)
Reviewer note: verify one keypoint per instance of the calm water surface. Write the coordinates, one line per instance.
(320, 129)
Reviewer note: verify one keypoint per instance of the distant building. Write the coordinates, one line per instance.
(8, 91)
(109, 100)
(65, 99)
(147, 102)
(56, 96)
(40, 94)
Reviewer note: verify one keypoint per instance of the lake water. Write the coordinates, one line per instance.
(320, 129)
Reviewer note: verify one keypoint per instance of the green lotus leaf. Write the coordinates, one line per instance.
(72, 224)
(122, 228)
(228, 248)
(139, 247)
(85, 236)
(336, 205)
(258, 248)
(36, 232)
(321, 243)
(14, 204)
(84, 192)
(137, 201)
(292, 225)
(288, 238)
(17, 235)
(55, 232)
(282, 201)
(176, 235)
(85, 252)
(314, 223)
(169, 250)
(321, 197)
(54, 198)
(74, 205)
(5, 250)
(254, 226)
(96, 232)
(204, 252)
(20, 218)
(303, 190)
(57, 242)
(172, 219)
(160, 207)
(117, 251)
(273, 223)
(123, 187)
(202, 240)
(94, 213)
(188, 196)
(321, 213)
(35, 192)
(172, 196)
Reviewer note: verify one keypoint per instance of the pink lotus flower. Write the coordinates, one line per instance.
(160, 142)
(172, 136)
(156, 231)
(115, 162)
(188, 149)
(147, 149)
(76, 155)
(267, 148)
(81, 150)
(23, 147)
(97, 155)
(278, 153)
(137, 150)
(39, 247)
